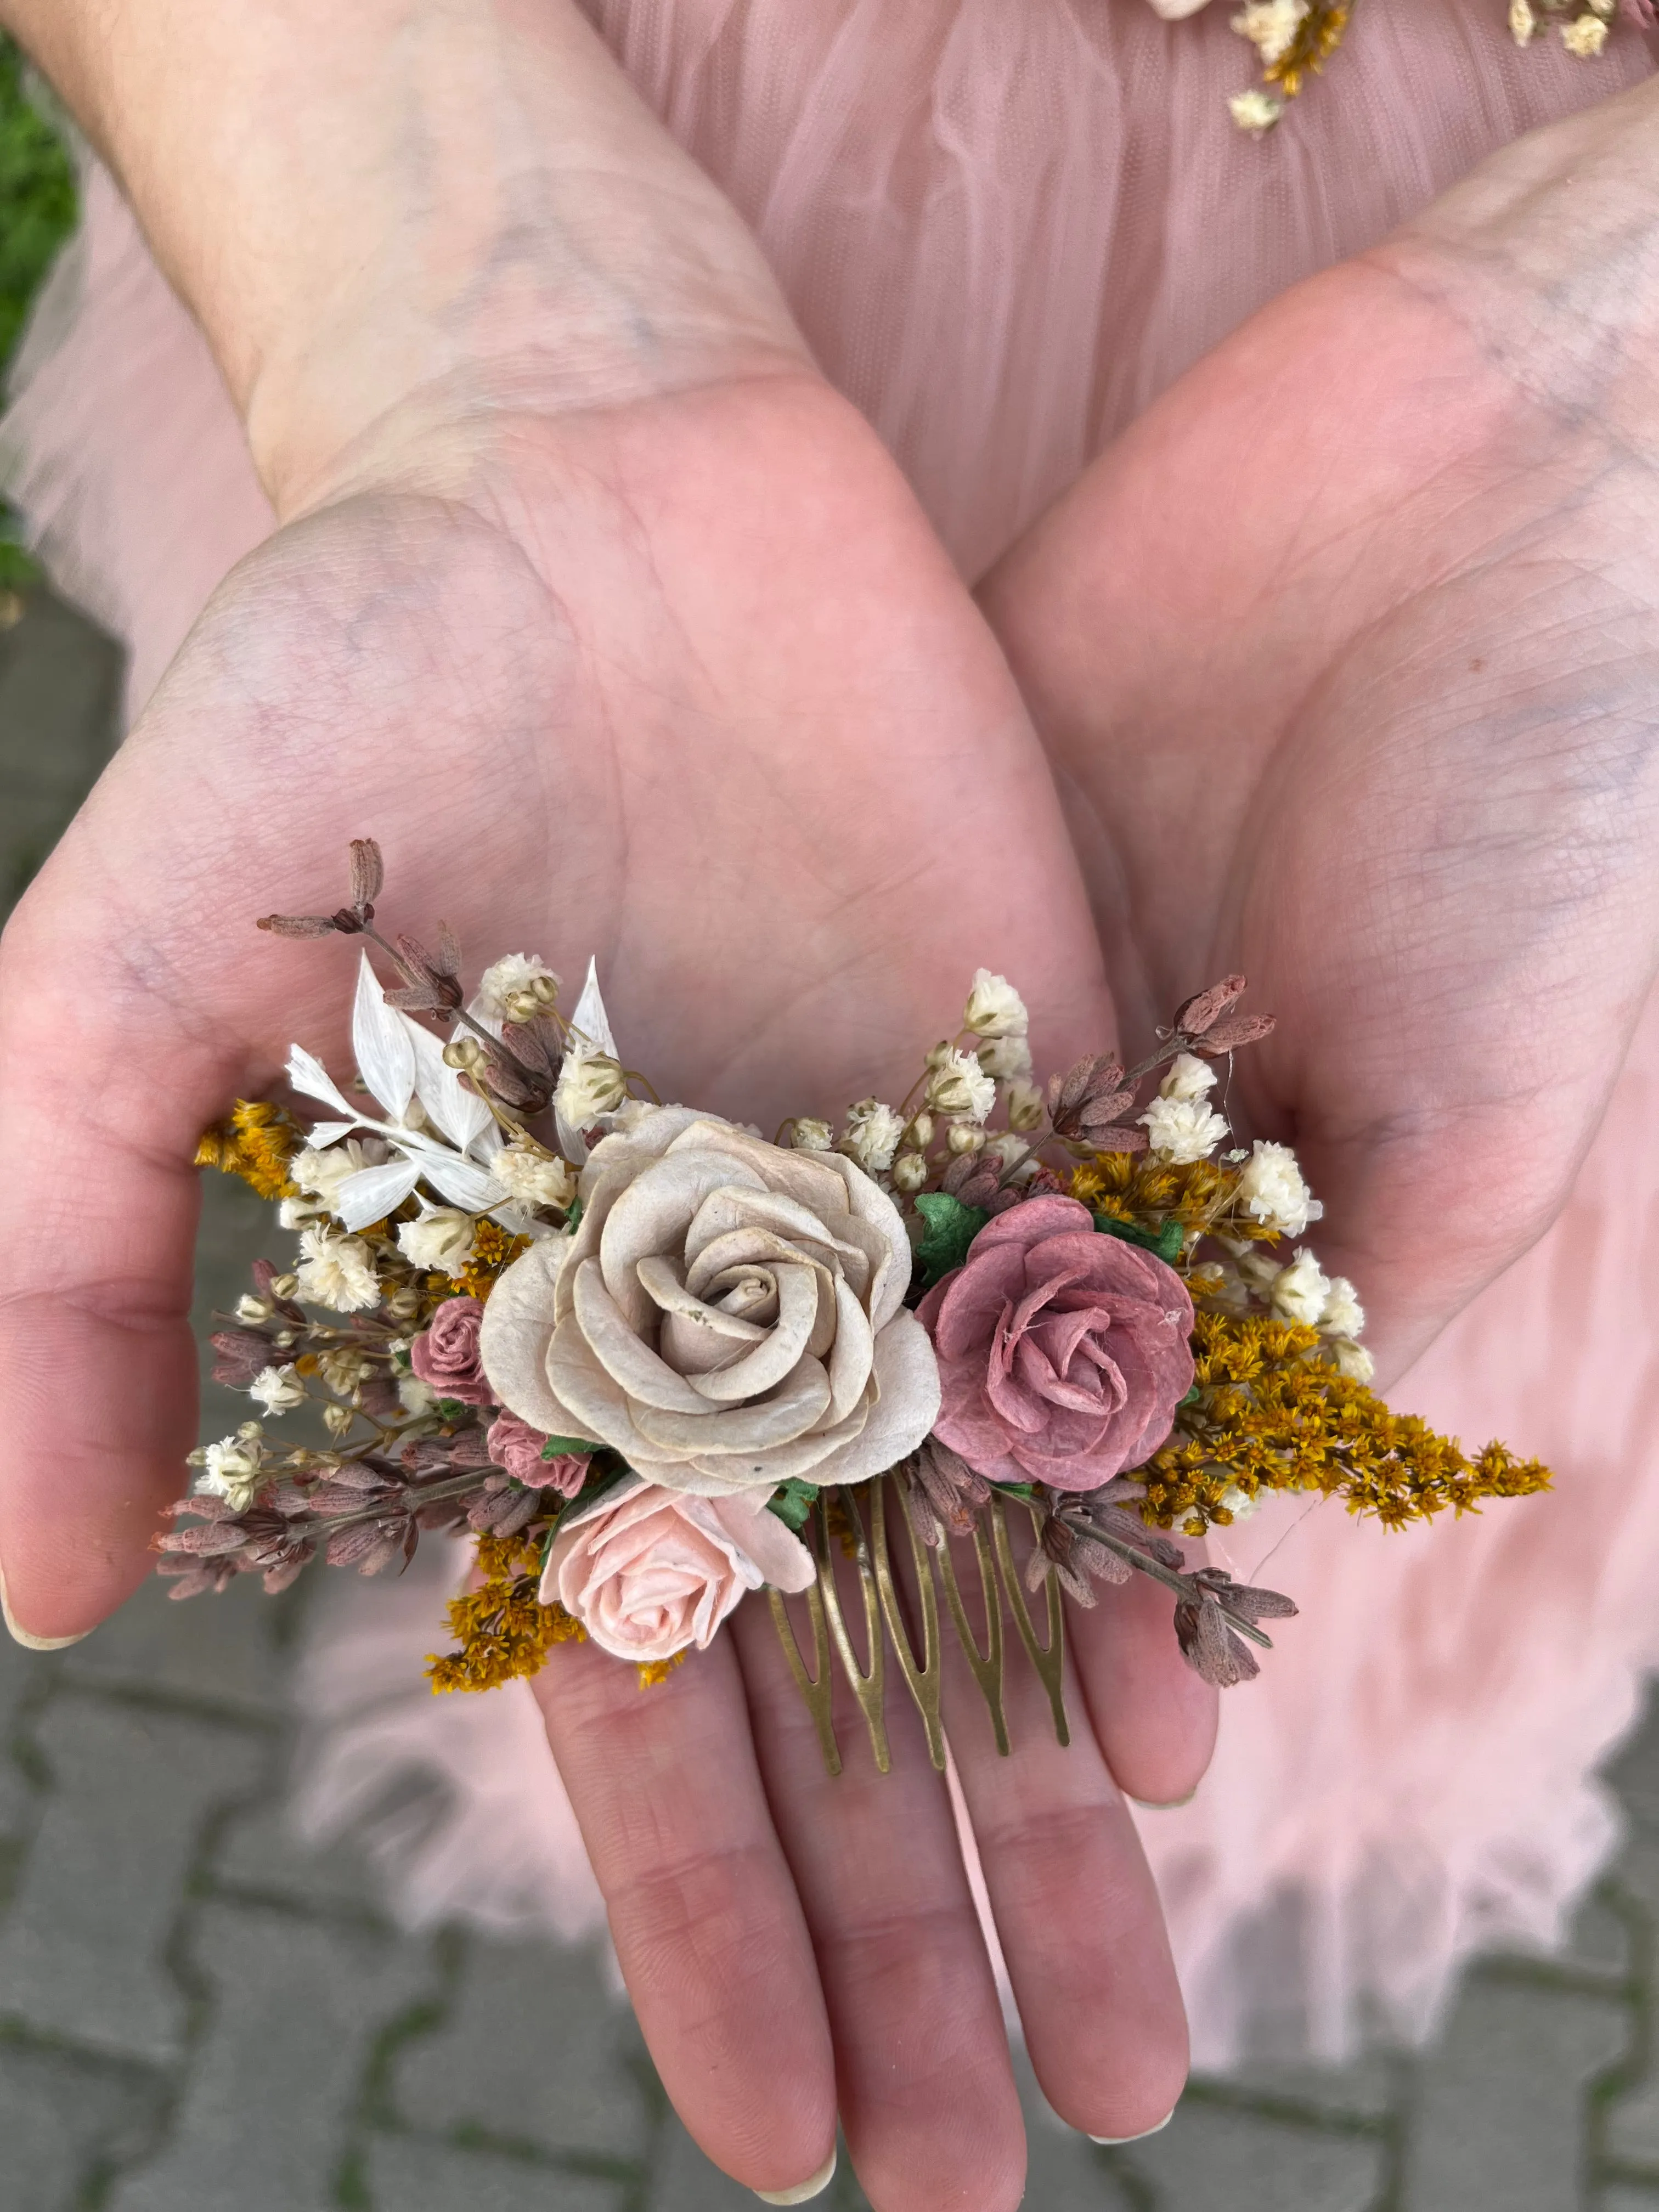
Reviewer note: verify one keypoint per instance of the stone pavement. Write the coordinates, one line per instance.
(193, 2016)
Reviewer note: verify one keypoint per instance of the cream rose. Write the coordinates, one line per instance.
(727, 1315)
(649, 1572)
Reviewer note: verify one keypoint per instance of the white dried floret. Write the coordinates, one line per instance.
(1586, 36)
(517, 989)
(1343, 1315)
(1187, 1077)
(1007, 1057)
(1299, 1292)
(1353, 1360)
(336, 1272)
(591, 1084)
(1272, 1191)
(443, 1237)
(994, 1008)
(532, 1177)
(231, 1468)
(1025, 1108)
(959, 1088)
(1254, 111)
(1182, 1129)
(811, 1135)
(1270, 26)
(872, 1135)
(278, 1390)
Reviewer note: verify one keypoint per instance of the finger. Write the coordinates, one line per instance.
(1073, 1900)
(928, 2096)
(1154, 1719)
(703, 1912)
(98, 1371)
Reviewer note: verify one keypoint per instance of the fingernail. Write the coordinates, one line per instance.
(22, 1635)
(804, 2191)
(1112, 2142)
(1165, 1804)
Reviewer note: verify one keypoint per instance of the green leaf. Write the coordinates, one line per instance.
(453, 1408)
(952, 1228)
(1015, 1489)
(1166, 1243)
(792, 1502)
(574, 1216)
(563, 1447)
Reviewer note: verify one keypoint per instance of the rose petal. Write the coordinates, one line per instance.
(773, 1359)
(515, 1336)
(622, 1353)
(777, 1419)
(778, 1555)
(652, 1215)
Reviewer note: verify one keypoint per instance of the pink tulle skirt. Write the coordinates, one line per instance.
(1005, 225)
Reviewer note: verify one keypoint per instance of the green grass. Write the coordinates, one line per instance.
(37, 211)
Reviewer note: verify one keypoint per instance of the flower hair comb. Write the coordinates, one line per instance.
(958, 1362)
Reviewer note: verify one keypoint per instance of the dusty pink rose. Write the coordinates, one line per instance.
(514, 1445)
(1062, 1353)
(445, 1358)
(649, 1572)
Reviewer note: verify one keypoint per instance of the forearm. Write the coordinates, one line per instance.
(404, 206)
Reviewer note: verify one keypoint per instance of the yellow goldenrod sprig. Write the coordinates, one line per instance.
(1271, 1411)
(256, 1142)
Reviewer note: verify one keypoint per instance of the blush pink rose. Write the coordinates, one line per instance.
(649, 1572)
(446, 1357)
(514, 1445)
(1062, 1353)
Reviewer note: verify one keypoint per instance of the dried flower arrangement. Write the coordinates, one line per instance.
(1295, 38)
(650, 1361)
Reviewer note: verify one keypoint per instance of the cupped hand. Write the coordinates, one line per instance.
(1347, 656)
(684, 683)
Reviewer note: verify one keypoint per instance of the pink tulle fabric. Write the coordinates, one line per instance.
(1005, 225)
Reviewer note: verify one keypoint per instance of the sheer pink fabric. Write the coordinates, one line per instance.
(1005, 225)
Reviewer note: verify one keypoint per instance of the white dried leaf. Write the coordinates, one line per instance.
(590, 1019)
(373, 1193)
(308, 1075)
(379, 1038)
(460, 1114)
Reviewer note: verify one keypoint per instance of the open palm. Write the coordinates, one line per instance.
(688, 685)
(1347, 654)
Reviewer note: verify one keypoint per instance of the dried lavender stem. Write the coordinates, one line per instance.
(1183, 1585)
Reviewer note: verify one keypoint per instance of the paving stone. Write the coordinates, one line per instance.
(1632, 1772)
(260, 1856)
(1066, 2172)
(60, 688)
(406, 2174)
(83, 1949)
(1501, 2118)
(58, 2119)
(1216, 2155)
(533, 2044)
(22, 1674)
(218, 1651)
(1367, 2090)
(683, 2180)
(293, 2010)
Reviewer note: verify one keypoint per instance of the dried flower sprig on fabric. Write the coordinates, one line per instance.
(1295, 38)
(647, 1362)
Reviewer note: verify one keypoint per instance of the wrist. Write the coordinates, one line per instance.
(406, 210)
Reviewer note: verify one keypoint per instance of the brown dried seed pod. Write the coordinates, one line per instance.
(367, 871)
(206, 1539)
(1196, 1014)
(1234, 1033)
(297, 925)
